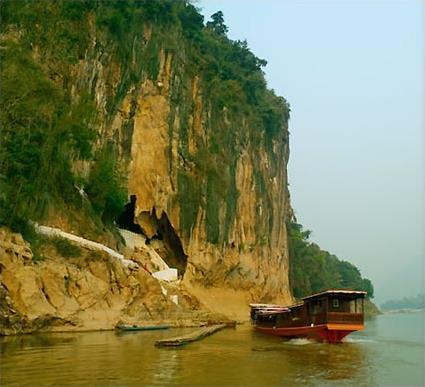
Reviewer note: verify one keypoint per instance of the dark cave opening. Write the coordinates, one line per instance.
(126, 219)
(175, 253)
(159, 234)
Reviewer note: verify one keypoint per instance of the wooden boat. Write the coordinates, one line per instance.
(127, 327)
(326, 316)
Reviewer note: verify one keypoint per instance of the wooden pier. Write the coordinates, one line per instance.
(188, 338)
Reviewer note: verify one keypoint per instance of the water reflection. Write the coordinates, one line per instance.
(167, 368)
(9, 344)
(309, 360)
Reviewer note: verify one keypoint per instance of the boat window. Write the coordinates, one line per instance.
(335, 303)
(315, 307)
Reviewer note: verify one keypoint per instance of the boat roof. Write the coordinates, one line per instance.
(267, 309)
(272, 306)
(337, 291)
(296, 305)
(276, 311)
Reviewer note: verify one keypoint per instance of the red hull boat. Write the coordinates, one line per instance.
(327, 316)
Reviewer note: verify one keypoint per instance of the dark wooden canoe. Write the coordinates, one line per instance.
(127, 327)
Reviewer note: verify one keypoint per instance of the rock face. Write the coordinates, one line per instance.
(249, 252)
(207, 182)
(88, 292)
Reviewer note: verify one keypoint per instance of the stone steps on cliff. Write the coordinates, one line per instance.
(137, 241)
(91, 245)
(132, 240)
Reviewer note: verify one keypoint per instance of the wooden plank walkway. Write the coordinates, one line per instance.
(193, 336)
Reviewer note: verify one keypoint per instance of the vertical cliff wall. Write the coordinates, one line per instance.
(185, 112)
(229, 214)
(227, 207)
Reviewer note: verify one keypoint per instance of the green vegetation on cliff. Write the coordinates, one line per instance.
(54, 126)
(46, 130)
(42, 132)
(313, 269)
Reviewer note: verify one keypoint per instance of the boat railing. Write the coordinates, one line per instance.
(338, 317)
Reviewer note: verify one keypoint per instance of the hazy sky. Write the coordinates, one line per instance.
(353, 73)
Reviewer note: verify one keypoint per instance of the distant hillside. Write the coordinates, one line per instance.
(313, 269)
(416, 302)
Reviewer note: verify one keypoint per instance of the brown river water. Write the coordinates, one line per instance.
(390, 352)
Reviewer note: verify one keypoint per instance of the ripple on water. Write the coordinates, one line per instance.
(300, 341)
(358, 340)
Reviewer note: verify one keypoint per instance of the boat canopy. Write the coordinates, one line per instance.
(270, 312)
(260, 306)
(351, 293)
(268, 309)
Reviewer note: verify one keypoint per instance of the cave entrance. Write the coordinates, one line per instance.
(159, 233)
(168, 244)
(126, 219)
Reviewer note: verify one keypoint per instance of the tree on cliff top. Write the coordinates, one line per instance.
(217, 24)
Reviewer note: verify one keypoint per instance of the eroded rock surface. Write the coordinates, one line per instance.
(90, 292)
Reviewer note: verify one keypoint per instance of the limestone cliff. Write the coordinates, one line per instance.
(235, 238)
(207, 180)
(200, 140)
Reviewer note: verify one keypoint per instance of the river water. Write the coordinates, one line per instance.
(390, 352)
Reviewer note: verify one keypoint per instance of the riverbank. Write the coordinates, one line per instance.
(403, 310)
(370, 309)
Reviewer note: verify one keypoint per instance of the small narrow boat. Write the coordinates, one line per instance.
(326, 316)
(127, 327)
